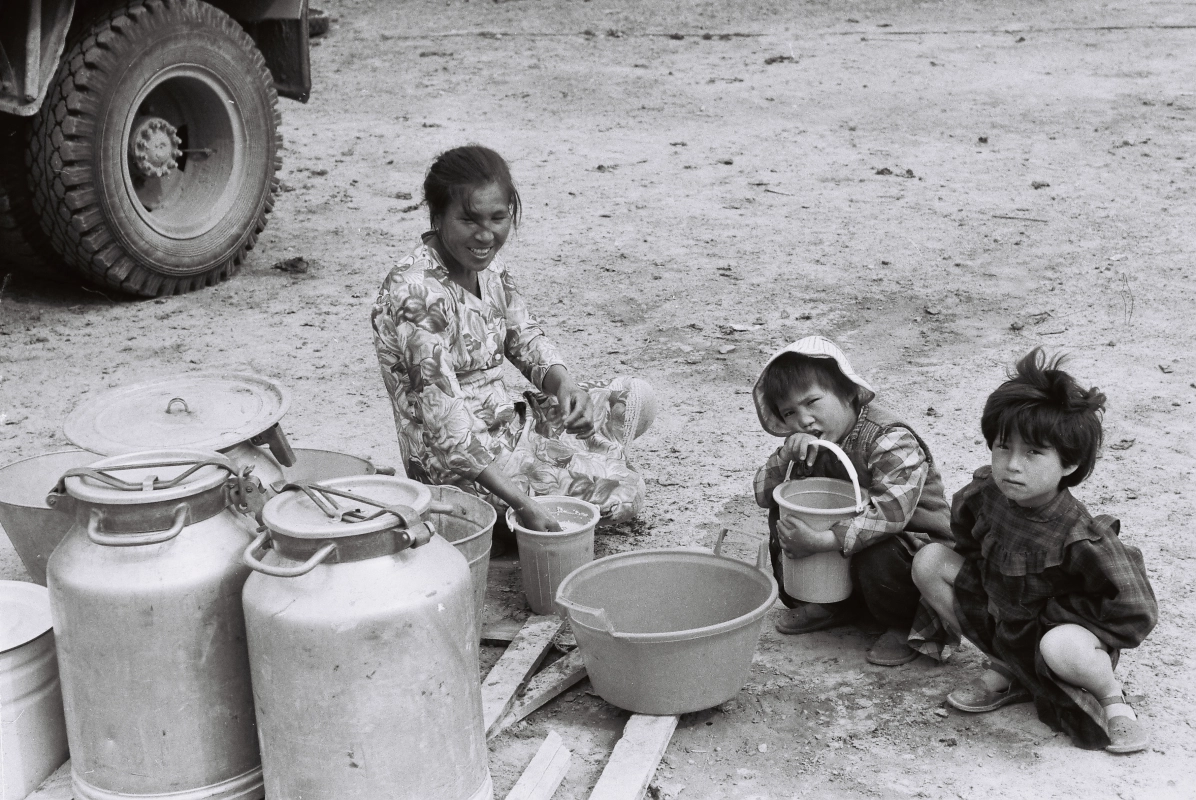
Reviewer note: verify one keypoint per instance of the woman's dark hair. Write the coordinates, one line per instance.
(1047, 407)
(456, 173)
(790, 372)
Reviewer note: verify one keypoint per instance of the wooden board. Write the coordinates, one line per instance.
(545, 772)
(635, 758)
(547, 684)
(55, 787)
(514, 667)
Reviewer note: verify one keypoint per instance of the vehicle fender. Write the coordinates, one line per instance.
(279, 28)
(32, 37)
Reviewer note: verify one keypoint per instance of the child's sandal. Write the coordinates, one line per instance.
(977, 698)
(1125, 734)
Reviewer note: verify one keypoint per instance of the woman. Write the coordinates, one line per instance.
(443, 321)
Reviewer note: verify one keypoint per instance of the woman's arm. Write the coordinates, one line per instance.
(574, 401)
(531, 514)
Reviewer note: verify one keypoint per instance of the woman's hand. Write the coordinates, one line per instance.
(574, 401)
(533, 517)
(799, 540)
(800, 450)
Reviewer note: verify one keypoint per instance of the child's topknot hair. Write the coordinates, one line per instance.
(793, 371)
(1046, 406)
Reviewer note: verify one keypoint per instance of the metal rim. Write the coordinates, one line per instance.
(192, 197)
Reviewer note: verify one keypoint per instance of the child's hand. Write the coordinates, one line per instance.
(799, 540)
(799, 450)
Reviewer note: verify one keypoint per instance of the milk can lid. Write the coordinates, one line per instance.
(208, 410)
(151, 476)
(24, 613)
(298, 513)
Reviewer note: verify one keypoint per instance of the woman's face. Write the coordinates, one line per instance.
(472, 232)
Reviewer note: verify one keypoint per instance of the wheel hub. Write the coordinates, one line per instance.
(154, 147)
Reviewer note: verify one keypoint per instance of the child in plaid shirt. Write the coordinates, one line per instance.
(809, 391)
(1046, 590)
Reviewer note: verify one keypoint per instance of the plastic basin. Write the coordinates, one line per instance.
(546, 557)
(33, 527)
(667, 631)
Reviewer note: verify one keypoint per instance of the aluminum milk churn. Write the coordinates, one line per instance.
(363, 648)
(145, 591)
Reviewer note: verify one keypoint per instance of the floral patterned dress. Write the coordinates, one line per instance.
(441, 350)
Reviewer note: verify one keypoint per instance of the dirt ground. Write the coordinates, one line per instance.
(938, 186)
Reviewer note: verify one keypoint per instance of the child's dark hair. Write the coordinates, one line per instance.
(1046, 406)
(456, 173)
(790, 372)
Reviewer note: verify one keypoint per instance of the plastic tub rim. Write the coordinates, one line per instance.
(512, 517)
(675, 636)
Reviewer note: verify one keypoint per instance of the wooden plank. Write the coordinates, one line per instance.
(501, 632)
(546, 685)
(635, 758)
(511, 671)
(55, 787)
(545, 772)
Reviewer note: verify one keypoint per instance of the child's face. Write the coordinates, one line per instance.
(1027, 473)
(818, 412)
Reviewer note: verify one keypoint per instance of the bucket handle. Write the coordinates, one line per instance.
(761, 550)
(598, 615)
(251, 560)
(851, 473)
(135, 539)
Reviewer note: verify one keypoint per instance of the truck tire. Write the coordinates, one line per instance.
(24, 246)
(153, 160)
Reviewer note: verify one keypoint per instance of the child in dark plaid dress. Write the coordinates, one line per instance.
(1047, 591)
(809, 391)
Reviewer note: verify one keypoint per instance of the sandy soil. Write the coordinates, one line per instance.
(705, 182)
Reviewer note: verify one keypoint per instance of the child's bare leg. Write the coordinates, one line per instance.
(1075, 655)
(934, 570)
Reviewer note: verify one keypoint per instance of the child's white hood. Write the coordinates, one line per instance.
(814, 347)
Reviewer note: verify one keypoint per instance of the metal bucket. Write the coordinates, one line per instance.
(32, 727)
(820, 503)
(667, 631)
(546, 557)
(466, 522)
(33, 527)
(318, 465)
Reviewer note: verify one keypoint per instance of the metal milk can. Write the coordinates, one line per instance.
(363, 648)
(235, 413)
(145, 591)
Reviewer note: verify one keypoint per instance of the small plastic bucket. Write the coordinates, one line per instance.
(546, 557)
(820, 503)
(32, 725)
(671, 630)
(466, 522)
(33, 527)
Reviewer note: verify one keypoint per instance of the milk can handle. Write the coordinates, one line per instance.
(761, 550)
(135, 539)
(259, 543)
(851, 473)
(597, 614)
